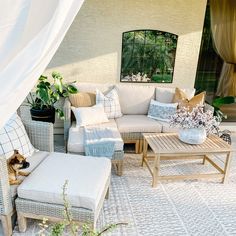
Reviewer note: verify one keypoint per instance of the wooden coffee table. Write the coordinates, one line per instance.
(167, 146)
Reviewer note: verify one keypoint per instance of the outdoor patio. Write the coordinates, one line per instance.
(118, 114)
(181, 208)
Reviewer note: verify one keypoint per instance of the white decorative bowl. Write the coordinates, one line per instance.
(192, 135)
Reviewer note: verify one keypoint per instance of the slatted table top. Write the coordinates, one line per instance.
(170, 143)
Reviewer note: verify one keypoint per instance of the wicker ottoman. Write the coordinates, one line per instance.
(40, 195)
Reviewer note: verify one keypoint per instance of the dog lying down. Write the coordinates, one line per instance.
(14, 164)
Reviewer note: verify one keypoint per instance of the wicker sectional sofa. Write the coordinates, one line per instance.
(134, 101)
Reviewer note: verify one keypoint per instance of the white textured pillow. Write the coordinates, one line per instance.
(110, 102)
(89, 115)
(161, 111)
(13, 136)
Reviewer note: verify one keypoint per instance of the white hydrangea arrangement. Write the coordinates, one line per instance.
(140, 77)
(195, 118)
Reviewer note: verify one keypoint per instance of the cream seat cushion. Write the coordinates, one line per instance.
(34, 161)
(137, 123)
(166, 127)
(87, 178)
(76, 137)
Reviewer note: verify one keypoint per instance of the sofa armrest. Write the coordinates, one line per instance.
(5, 191)
(67, 119)
(40, 134)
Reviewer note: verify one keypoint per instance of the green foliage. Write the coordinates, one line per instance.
(58, 229)
(224, 100)
(218, 102)
(48, 94)
(162, 78)
(149, 52)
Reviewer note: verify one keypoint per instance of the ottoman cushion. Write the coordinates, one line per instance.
(34, 161)
(76, 137)
(87, 178)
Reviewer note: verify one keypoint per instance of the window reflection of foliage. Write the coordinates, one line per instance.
(150, 52)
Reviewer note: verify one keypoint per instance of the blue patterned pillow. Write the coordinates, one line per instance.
(161, 111)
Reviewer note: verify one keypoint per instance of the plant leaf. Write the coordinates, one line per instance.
(65, 94)
(56, 96)
(72, 89)
(221, 101)
(60, 113)
(58, 84)
(56, 74)
(43, 77)
(44, 95)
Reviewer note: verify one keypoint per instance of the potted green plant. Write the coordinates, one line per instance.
(47, 94)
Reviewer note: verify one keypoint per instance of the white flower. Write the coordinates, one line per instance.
(197, 118)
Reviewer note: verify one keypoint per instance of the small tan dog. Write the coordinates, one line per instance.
(14, 164)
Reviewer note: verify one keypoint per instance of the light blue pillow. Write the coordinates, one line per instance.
(161, 111)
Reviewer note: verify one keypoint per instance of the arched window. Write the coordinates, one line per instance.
(148, 56)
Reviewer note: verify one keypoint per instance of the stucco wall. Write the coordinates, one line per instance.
(91, 50)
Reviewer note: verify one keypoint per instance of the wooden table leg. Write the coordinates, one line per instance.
(137, 146)
(140, 146)
(145, 147)
(204, 160)
(156, 170)
(227, 167)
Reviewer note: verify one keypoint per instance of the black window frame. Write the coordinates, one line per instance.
(145, 32)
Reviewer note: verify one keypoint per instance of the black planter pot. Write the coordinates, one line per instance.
(45, 115)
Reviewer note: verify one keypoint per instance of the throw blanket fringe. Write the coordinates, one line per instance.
(99, 142)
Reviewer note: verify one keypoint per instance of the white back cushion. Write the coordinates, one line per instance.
(111, 103)
(89, 115)
(13, 136)
(135, 99)
(166, 95)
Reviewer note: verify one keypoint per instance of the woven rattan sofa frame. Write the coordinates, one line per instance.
(55, 213)
(41, 136)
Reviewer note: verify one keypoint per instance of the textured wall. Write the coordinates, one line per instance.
(91, 50)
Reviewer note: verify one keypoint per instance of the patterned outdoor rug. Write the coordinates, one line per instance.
(174, 208)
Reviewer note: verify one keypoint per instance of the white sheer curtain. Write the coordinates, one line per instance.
(30, 33)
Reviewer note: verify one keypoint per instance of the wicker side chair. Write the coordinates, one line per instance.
(41, 136)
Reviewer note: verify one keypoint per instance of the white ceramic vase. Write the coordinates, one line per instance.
(192, 135)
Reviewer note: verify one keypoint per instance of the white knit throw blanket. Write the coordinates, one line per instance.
(99, 142)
